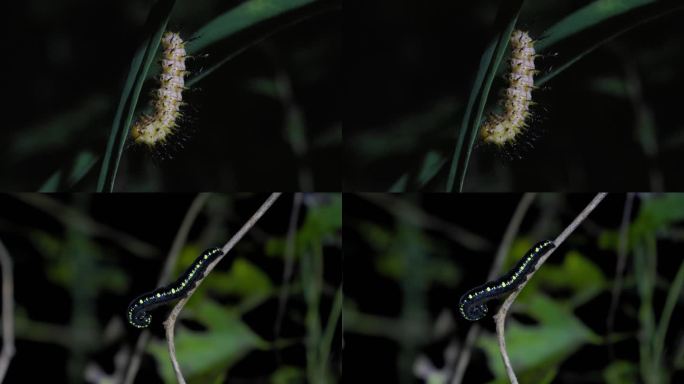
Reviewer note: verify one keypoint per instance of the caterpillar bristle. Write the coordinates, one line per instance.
(504, 129)
(154, 130)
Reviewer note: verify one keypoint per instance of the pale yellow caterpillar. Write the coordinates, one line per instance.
(157, 128)
(502, 129)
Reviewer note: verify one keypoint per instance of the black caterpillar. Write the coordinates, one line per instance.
(138, 308)
(472, 304)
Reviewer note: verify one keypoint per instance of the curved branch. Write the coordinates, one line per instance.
(170, 323)
(500, 317)
(178, 242)
(504, 247)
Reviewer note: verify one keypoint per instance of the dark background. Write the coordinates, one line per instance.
(609, 122)
(105, 274)
(66, 71)
(413, 256)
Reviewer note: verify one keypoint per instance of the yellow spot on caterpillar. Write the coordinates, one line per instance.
(504, 128)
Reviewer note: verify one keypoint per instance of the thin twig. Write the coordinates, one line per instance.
(170, 323)
(500, 317)
(289, 261)
(504, 247)
(7, 312)
(621, 261)
(165, 275)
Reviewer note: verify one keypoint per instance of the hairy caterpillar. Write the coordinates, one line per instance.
(502, 129)
(157, 128)
(137, 310)
(472, 304)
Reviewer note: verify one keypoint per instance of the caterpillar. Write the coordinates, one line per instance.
(137, 310)
(502, 129)
(156, 129)
(472, 304)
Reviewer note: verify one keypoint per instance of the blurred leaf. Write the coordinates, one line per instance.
(244, 279)
(594, 13)
(578, 274)
(621, 371)
(321, 222)
(376, 235)
(435, 269)
(58, 133)
(400, 184)
(61, 271)
(84, 162)
(288, 375)
(402, 136)
(586, 17)
(239, 18)
(432, 163)
(658, 212)
(264, 86)
(244, 16)
(537, 351)
(203, 356)
(47, 244)
(610, 85)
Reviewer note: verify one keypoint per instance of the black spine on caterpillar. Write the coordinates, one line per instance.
(473, 305)
(137, 310)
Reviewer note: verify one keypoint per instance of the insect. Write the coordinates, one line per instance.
(502, 129)
(137, 310)
(472, 304)
(156, 129)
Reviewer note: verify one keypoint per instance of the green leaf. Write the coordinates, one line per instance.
(244, 279)
(239, 18)
(246, 15)
(203, 356)
(587, 17)
(658, 212)
(322, 221)
(537, 351)
(601, 11)
(577, 274)
(621, 371)
(288, 375)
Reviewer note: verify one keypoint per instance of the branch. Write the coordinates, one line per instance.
(500, 317)
(7, 312)
(170, 323)
(504, 247)
(178, 242)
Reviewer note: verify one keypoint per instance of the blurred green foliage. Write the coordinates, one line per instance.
(81, 266)
(559, 321)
